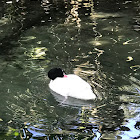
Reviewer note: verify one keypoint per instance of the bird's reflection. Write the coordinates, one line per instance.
(71, 101)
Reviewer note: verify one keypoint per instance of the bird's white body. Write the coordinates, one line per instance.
(72, 86)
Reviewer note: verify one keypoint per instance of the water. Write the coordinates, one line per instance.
(99, 41)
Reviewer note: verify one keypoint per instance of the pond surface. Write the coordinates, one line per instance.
(99, 41)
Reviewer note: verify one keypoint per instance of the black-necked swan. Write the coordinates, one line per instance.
(69, 85)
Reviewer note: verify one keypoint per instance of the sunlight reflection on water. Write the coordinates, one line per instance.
(133, 131)
(97, 41)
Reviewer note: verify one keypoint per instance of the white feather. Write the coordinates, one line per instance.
(72, 86)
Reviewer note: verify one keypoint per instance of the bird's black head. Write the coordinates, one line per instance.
(55, 72)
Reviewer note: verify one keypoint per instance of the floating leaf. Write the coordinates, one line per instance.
(135, 68)
(39, 42)
(1, 120)
(16, 134)
(129, 58)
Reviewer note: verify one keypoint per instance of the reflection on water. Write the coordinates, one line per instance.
(131, 127)
(97, 41)
(71, 101)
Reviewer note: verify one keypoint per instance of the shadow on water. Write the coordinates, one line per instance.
(97, 41)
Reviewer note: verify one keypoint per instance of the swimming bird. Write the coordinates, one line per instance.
(69, 85)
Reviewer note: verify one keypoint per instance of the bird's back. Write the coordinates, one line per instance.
(73, 86)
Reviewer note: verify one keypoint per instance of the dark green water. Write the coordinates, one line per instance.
(97, 40)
